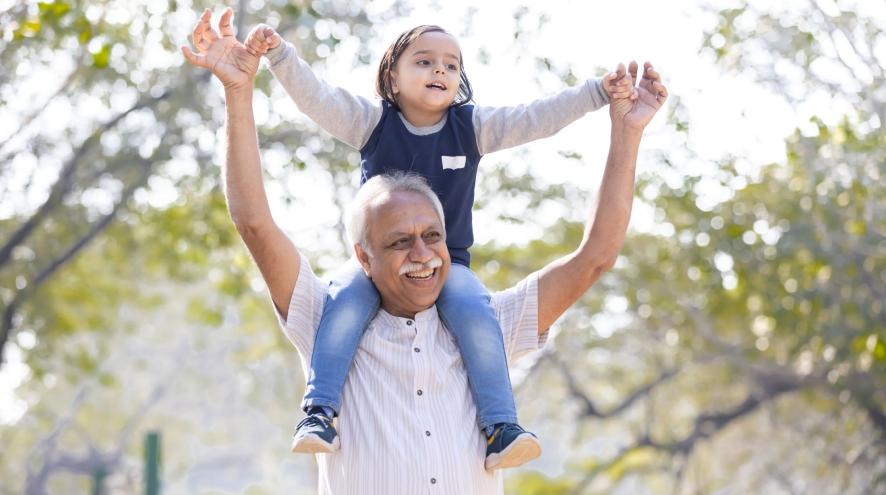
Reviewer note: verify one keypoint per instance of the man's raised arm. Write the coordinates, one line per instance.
(276, 256)
(563, 281)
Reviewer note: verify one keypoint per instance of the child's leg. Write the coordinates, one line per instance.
(351, 304)
(464, 306)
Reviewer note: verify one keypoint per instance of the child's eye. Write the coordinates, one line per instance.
(422, 62)
(452, 67)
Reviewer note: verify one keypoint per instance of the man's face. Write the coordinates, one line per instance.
(409, 261)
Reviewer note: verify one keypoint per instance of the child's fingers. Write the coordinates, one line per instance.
(622, 89)
(620, 70)
(255, 45)
(273, 39)
(620, 95)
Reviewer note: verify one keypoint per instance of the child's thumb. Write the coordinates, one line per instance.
(271, 37)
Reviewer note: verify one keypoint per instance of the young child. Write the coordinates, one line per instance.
(424, 125)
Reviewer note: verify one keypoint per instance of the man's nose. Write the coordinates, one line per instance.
(420, 252)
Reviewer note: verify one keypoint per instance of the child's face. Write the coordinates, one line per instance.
(428, 73)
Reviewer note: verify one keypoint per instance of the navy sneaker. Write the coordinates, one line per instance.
(315, 435)
(510, 446)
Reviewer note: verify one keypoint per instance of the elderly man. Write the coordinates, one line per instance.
(408, 422)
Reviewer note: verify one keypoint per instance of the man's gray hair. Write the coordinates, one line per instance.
(358, 230)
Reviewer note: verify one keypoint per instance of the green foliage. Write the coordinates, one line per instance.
(533, 483)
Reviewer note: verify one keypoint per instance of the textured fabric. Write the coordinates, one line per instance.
(407, 422)
(445, 153)
(352, 118)
(352, 301)
(464, 306)
(498, 128)
(447, 158)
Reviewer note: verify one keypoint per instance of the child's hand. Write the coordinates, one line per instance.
(651, 95)
(618, 85)
(261, 39)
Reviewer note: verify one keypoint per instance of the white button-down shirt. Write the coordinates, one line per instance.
(408, 424)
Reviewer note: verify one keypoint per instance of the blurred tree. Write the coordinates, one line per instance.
(110, 206)
(108, 122)
(752, 325)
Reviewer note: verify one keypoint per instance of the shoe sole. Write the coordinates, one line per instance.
(522, 450)
(312, 444)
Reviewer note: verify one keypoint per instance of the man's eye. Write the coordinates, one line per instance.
(432, 236)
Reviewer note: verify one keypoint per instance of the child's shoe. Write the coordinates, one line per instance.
(315, 435)
(509, 445)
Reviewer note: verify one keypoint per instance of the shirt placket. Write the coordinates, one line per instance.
(422, 379)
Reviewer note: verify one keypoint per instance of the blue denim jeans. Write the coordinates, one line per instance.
(463, 306)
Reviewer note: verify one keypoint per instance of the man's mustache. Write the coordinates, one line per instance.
(432, 263)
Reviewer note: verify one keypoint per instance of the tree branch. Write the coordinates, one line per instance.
(591, 410)
(65, 181)
(8, 318)
(93, 459)
(36, 113)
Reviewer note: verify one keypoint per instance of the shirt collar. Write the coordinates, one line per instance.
(421, 318)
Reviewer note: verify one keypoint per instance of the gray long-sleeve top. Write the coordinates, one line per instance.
(351, 119)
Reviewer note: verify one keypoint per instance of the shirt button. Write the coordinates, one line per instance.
(409, 322)
(416, 349)
(419, 392)
(427, 433)
(433, 481)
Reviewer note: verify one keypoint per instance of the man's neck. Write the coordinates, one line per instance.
(401, 312)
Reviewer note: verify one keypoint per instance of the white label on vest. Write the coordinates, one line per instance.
(453, 162)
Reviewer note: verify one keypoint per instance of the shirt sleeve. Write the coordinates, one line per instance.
(349, 118)
(499, 128)
(304, 312)
(517, 311)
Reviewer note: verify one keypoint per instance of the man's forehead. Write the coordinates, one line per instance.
(392, 200)
(403, 208)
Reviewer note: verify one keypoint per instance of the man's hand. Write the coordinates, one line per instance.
(618, 85)
(221, 53)
(261, 39)
(636, 112)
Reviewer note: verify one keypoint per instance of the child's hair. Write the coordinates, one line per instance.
(392, 55)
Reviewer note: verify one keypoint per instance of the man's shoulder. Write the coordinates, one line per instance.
(522, 290)
(308, 297)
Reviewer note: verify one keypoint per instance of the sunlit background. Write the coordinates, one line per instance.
(739, 346)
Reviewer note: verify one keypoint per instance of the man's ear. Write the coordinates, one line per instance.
(362, 258)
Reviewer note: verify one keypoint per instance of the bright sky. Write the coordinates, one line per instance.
(729, 115)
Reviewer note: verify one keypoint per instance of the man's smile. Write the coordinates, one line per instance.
(421, 274)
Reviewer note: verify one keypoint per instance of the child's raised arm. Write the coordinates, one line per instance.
(499, 128)
(349, 118)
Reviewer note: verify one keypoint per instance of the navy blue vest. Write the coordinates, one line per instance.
(447, 158)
